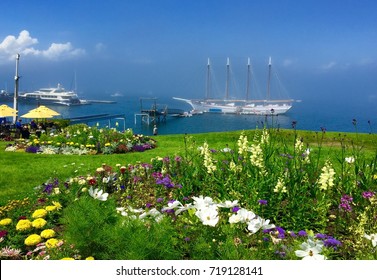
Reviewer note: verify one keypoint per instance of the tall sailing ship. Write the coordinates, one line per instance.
(266, 106)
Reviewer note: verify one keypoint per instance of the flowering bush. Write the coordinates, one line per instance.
(258, 201)
(82, 139)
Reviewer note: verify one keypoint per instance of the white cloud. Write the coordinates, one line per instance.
(99, 47)
(287, 62)
(24, 44)
(329, 65)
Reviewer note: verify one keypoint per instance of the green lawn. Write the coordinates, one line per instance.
(21, 172)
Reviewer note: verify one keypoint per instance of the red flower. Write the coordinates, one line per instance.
(92, 181)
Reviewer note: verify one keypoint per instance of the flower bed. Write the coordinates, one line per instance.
(258, 201)
(82, 139)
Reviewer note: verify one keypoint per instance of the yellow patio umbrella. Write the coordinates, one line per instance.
(37, 114)
(6, 111)
(48, 110)
(42, 112)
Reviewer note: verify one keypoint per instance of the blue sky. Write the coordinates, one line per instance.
(158, 48)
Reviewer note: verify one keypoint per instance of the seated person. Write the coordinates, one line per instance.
(25, 133)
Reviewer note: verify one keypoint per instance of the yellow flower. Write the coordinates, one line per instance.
(107, 144)
(39, 223)
(50, 208)
(39, 213)
(100, 169)
(32, 240)
(67, 259)
(48, 233)
(5, 222)
(52, 243)
(57, 204)
(23, 225)
(89, 258)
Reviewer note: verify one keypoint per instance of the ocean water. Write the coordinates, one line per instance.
(312, 115)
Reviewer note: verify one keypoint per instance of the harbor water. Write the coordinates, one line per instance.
(314, 115)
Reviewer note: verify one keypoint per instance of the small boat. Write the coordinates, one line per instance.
(52, 95)
(239, 106)
(5, 96)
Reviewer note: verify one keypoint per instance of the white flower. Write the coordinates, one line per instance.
(259, 223)
(133, 210)
(172, 205)
(176, 204)
(154, 213)
(98, 194)
(372, 237)
(311, 250)
(228, 204)
(208, 215)
(350, 160)
(122, 211)
(81, 181)
(226, 150)
(280, 187)
(201, 202)
(242, 216)
(234, 219)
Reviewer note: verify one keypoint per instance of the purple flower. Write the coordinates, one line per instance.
(302, 233)
(166, 181)
(166, 159)
(281, 254)
(235, 209)
(281, 232)
(368, 195)
(332, 242)
(321, 236)
(160, 199)
(3, 233)
(187, 239)
(48, 188)
(345, 201)
(148, 205)
(262, 202)
(178, 159)
(139, 148)
(170, 211)
(32, 149)
(346, 207)
(293, 234)
(136, 179)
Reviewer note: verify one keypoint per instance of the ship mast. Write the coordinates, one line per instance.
(15, 100)
(248, 79)
(269, 79)
(227, 80)
(208, 80)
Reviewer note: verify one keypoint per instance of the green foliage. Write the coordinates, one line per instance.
(316, 186)
(95, 230)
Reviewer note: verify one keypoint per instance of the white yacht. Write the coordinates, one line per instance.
(246, 106)
(53, 95)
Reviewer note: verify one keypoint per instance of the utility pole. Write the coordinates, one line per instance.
(15, 100)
